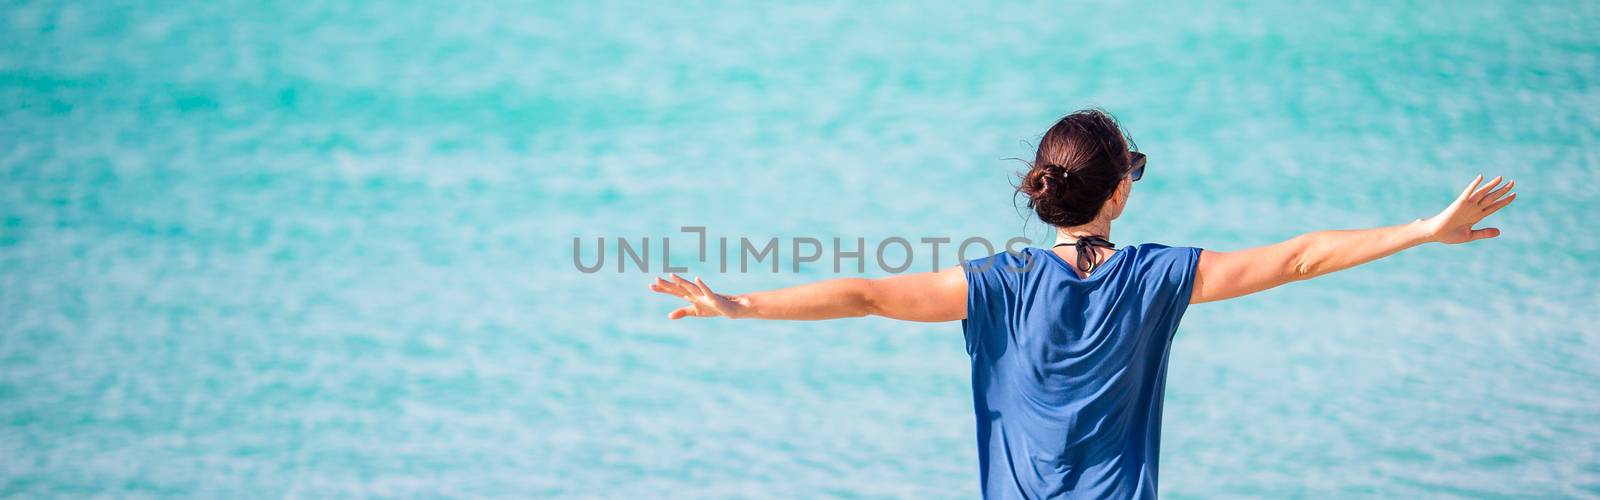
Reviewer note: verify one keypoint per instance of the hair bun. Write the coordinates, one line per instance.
(1076, 169)
(1050, 175)
(1055, 170)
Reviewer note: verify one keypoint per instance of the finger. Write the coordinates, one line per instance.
(688, 288)
(1468, 191)
(1478, 195)
(1494, 196)
(662, 289)
(680, 312)
(669, 288)
(1499, 205)
(1485, 233)
(661, 285)
(703, 288)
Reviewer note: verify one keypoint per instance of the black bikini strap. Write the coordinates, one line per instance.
(1086, 262)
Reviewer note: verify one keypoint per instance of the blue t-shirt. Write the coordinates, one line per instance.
(1068, 372)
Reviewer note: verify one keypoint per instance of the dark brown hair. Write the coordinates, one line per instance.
(1080, 161)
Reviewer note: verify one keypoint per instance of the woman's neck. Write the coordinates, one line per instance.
(1097, 228)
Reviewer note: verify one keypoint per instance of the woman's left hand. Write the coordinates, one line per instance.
(702, 301)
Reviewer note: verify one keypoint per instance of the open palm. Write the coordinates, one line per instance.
(702, 301)
(1454, 224)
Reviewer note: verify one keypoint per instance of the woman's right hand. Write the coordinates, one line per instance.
(1454, 224)
(1225, 275)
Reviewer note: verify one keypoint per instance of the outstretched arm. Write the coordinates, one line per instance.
(1225, 275)
(936, 296)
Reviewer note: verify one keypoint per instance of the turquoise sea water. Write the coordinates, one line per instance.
(325, 249)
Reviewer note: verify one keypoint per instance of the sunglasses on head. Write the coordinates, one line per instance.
(1135, 165)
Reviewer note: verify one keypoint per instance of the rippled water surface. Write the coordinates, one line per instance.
(325, 249)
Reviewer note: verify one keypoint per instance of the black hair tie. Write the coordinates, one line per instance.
(1086, 262)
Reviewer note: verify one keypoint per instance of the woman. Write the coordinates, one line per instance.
(1069, 345)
